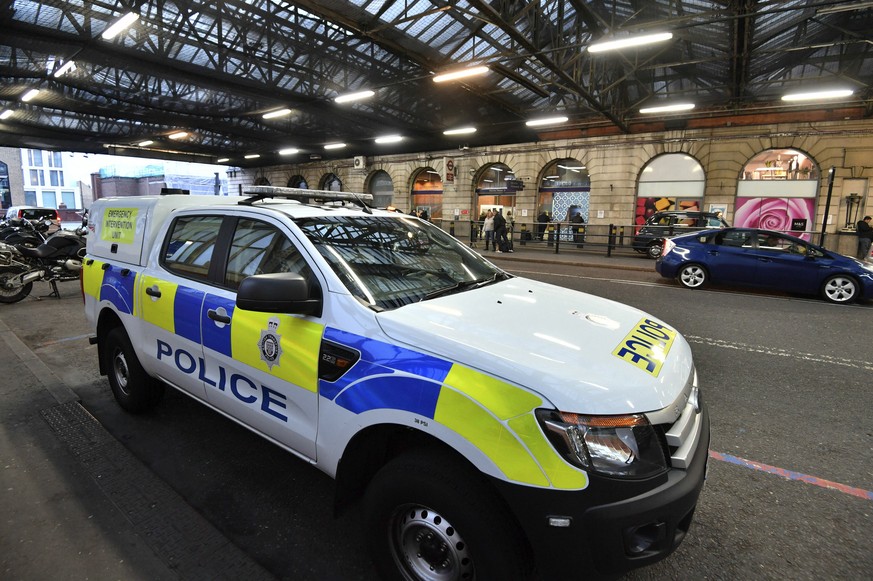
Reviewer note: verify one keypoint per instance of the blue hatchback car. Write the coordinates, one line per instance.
(764, 259)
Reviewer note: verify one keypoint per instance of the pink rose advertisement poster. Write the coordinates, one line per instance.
(791, 215)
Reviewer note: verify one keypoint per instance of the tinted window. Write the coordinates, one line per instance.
(188, 251)
(733, 238)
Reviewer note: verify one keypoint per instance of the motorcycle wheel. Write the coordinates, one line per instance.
(13, 295)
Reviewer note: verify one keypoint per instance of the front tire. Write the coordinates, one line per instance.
(693, 276)
(840, 289)
(134, 390)
(13, 295)
(430, 518)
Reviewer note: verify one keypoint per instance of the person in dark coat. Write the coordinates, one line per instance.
(865, 236)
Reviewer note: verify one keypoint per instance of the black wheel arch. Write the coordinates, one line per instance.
(107, 321)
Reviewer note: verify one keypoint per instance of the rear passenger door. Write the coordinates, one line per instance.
(732, 258)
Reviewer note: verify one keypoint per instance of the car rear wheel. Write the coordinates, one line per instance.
(654, 249)
(840, 289)
(693, 276)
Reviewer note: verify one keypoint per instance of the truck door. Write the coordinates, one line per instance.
(171, 295)
(261, 368)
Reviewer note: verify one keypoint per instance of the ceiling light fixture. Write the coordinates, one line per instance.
(334, 145)
(68, 66)
(222, 160)
(546, 121)
(667, 108)
(145, 143)
(277, 113)
(288, 151)
(461, 74)
(253, 156)
(631, 41)
(389, 139)
(818, 95)
(120, 25)
(6, 114)
(178, 135)
(29, 95)
(358, 96)
(460, 131)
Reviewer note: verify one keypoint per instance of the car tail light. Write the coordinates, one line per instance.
(668, 246)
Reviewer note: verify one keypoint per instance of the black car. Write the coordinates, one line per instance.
(649, 239)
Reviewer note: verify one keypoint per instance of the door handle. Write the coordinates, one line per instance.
(153, 291)
(218, 317)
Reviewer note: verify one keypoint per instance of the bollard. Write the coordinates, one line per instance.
(611, 241)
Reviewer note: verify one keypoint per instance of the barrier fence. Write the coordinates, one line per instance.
(560, 237)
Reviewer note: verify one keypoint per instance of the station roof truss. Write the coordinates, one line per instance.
(213, 69)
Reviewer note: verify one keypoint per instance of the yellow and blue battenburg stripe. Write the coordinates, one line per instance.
(495, 416)
(109, 282)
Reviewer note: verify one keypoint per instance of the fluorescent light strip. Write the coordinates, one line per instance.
(253, 156)
(354, 96)
(120, 25)
(334, 145)
(222, 160)
(455, 75)
(145, 143)
(631, 41)
(546, 121)
(668, 108)
(68, 66)
(288, 151)
(29, 95)
(6, 114)
(278, 113)
(389, 139)
(460, 131)
(816, 95)
(178, 135)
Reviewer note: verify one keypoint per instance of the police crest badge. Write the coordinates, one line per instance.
(270, 344)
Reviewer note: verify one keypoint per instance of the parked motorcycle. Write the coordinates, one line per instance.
(24, 232)
(58, 259)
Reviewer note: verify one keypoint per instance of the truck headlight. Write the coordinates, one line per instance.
(626, 446)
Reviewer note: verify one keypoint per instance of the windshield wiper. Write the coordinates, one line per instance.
(466, 284)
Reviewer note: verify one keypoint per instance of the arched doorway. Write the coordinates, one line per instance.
(778, 191)
(331, 183)
(672, 181)
(298, 181)
(381, 187)
(496, 188)
(427, 194)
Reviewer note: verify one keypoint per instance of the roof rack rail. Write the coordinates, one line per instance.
(257, 193)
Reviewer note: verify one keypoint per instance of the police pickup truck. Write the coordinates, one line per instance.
(492, 427)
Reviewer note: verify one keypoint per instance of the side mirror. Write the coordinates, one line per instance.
(281, 292)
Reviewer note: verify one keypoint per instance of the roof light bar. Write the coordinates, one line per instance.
(277, 113)
(546, 121)
(360, 95)
(818, 95)
(29, 95)
(120, 25)
(460, 131)
(629, 42)
(667, 108)
(461, 74)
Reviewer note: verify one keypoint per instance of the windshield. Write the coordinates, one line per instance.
(388, 261)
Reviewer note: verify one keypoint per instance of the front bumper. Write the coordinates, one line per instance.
(615, 525)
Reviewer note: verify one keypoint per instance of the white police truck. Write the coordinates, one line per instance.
(492, 427)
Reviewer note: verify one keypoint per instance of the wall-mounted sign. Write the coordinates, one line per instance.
(514, 185)
(450, 170)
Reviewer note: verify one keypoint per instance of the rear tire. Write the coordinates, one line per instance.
(655, 249)
(430, 518)
(13, 295)
(840, 289)
(134, 390)
(693, 276)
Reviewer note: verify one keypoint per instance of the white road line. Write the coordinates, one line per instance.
(814, 357)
